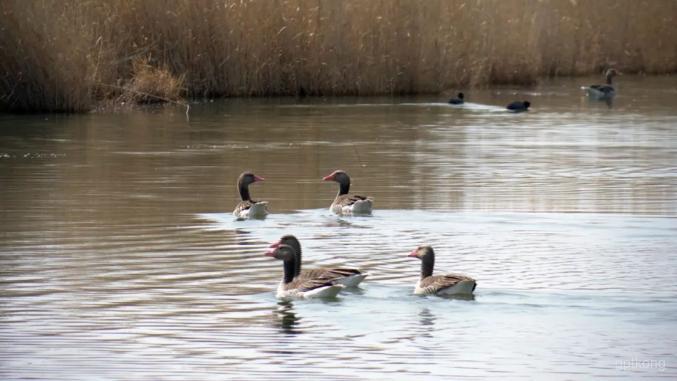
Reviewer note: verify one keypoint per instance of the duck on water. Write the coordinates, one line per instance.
(459, 100)
(344, 203)
(447, 284)
(518, 106)
(248, 208)
(348, 277)
(605, 91)
(290, 287)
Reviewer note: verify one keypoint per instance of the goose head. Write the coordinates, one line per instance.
(427, 257)
(293, 242)
(243, 182)
(286, 254)
(339, 176)
(247, 178)
(460, 95)
(288, 240)
(422, 253)
(611, 73)
(281, 252)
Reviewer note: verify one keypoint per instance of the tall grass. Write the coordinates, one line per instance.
(67, 55)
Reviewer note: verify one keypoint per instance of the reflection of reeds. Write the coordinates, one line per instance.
(66, 55)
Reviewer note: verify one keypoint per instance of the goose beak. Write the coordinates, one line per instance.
(328, 178)
(275, 245)
(413, 253)
(258, 178)
(270, 253)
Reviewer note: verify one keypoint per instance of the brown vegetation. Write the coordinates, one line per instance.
(67, 55)
(150, 84)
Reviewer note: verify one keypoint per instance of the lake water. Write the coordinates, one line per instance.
(119, 258)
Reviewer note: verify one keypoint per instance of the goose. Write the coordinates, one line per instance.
(345, 276)
(518, 106)
(306, 288)
(457, 101)
(603, 92)
(248, 208)
(345, 203)
(447, 284)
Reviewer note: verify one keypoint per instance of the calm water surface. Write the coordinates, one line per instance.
(119, 258)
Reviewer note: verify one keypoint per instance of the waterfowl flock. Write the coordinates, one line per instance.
(604, 92)
(516, 106)
(328, 282)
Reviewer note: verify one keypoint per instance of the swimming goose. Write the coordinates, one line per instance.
(518, 106)
(345, 203)
(248, 208)
(457, 101)
(306, 288)
(447, 284)
(345, 276)
(603, 92)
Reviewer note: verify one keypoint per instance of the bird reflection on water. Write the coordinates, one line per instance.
(466, 297)
(285, 318)
(609, 102)
(427, 322)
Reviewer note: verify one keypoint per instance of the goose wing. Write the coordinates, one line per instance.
(436, 283)
(349, 199)
(242, 206)
(603, 88)
(308, 284)
(248, 204)
(606, 89)
(329, 273)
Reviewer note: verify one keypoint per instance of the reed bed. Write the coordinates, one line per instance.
(69, 55)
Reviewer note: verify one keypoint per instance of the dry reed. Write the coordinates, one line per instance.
(68, 55)
(150, 84)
